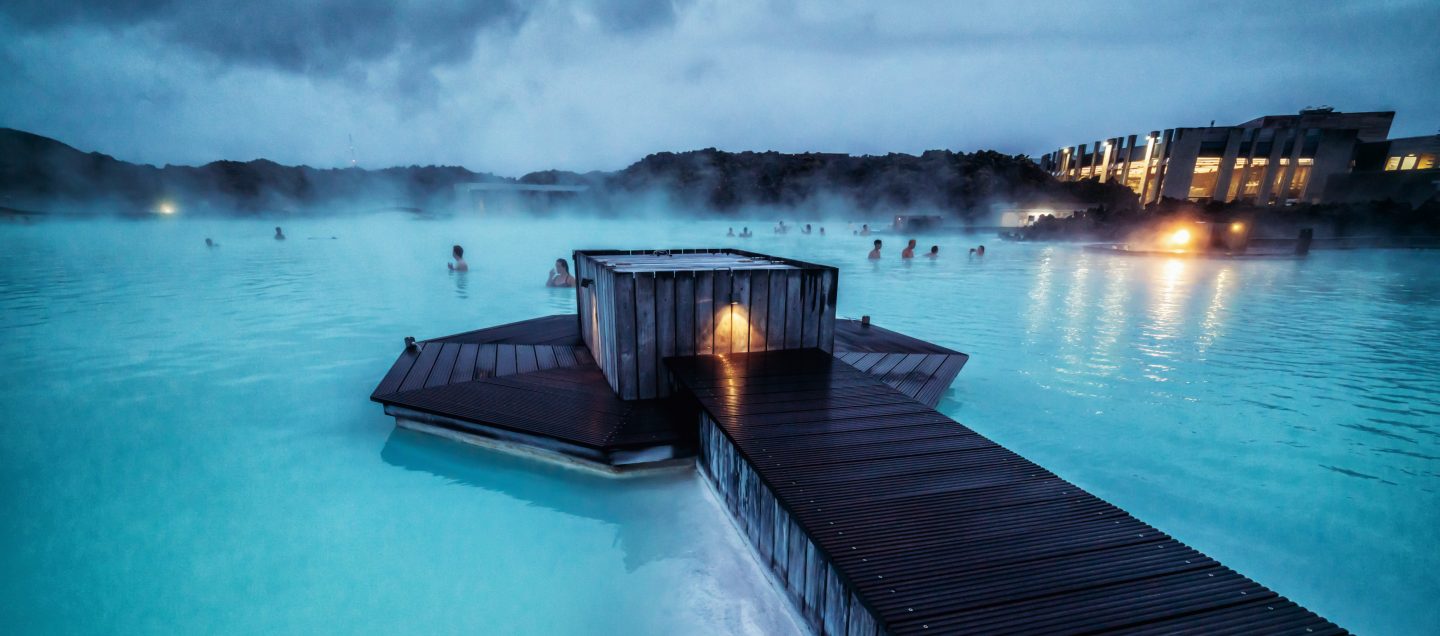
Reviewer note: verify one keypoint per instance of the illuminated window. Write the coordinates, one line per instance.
(1408, 163)
(1236, 176)
(1302, 176)
(1279, 185)
(1392, 163)
(1425, 162)
(1202, 183)
(1136, 177)
(1255, 175)
(1085, 172)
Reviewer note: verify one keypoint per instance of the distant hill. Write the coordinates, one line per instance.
(38, 172)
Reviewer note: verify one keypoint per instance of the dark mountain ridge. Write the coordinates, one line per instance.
(41, 173)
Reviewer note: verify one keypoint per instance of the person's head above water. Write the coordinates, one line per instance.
(209, 243)
(877, 244)
(458, 252)
(912, 242)
(934, 249)
(562, 265)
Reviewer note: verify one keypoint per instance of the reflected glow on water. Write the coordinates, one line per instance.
(187, 445)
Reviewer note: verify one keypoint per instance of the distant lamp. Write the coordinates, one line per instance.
(1237, 227)
(165, 207)
(1180, 238)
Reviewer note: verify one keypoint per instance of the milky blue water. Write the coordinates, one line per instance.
(186, 444)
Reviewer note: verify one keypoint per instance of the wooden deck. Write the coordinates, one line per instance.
(498, 378)
(880, 515)
(536, 378)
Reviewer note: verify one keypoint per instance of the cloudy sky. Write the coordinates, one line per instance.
(511, 86)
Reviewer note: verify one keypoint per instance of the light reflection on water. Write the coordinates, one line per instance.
(186, 429)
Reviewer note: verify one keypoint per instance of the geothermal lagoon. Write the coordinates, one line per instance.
(189, 448)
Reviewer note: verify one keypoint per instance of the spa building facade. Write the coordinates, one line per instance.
(1277, 159)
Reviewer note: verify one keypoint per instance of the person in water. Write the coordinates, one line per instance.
(279, 235)
(875, 253)
(807, 229)
(560, 276)
(934, 252)
(980, 251)
(909, 251)
(745, 232)
(459, 265)
(210, 243)
(731, 232)
(822, 230)
(865, 230)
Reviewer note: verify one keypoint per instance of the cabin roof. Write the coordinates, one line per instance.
(690, 260)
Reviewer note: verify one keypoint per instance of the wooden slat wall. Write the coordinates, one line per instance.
(704, 313)
(759, 308)
(632, 320)
(723, 324)
(664, 328)
(685, 313)
(646, 335)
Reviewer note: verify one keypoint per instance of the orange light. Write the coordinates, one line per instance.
(1180, 238)
(1237, 227)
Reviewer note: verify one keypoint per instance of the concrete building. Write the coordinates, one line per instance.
(1276, 159)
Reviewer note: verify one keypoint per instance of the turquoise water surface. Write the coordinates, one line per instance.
(188, 447)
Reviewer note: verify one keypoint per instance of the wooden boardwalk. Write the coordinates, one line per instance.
(880, 515)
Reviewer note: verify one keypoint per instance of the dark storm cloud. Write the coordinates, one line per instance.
(325, 37)
(518, 85)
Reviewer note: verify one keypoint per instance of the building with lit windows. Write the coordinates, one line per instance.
(1278, 159)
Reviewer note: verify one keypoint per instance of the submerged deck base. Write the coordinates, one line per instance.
(614, 463)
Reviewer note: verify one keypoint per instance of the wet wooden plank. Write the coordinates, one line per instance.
(420, 371)
(504, 360)
(444, 364)
(485, 360)
(464, 370)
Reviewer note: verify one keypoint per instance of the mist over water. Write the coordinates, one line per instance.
(188, 446)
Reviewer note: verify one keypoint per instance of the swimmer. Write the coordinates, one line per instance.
(807, 229)
(459, 265)
(909, 251)
(822, 230)
(210, 243)
(875, 253)
(980, 251)
(865, 230)
(731, 232)
(279, 236)
(934, 252)
(560, 276)
(745, 232)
